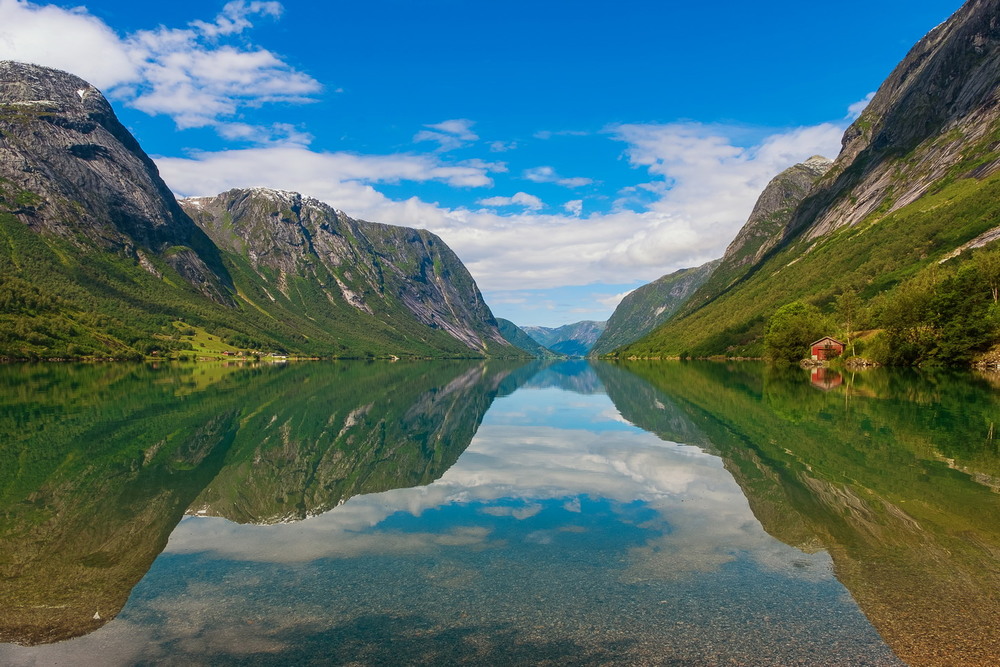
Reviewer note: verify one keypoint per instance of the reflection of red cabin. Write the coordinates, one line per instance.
(826, 348)
(826, 379)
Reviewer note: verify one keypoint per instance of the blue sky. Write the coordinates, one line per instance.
(567, 151)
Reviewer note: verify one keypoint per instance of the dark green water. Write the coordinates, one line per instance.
(496, 513)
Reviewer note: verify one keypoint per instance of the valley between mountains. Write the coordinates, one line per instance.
(891, 246)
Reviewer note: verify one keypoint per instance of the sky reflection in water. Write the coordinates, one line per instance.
(563, 532)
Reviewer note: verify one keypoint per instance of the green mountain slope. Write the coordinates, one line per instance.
(98, 259)
(354, 279)
(915, 185)
(649, 306)
(514, 335)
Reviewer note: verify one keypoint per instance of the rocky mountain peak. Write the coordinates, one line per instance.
(817, 164)
(940, 108)
(69, 168)
(766, 224)
(34, 85)
(376, 269)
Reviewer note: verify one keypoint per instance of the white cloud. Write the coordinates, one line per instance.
(549, 175)
(450, 134)
(854, 111)
(704, 187)
(502, 146)
(233, 18)
(520, 199)
(278, 133)
(184, 73)
(574, 207)
(67, 39)
(344, 180)
(612, 300)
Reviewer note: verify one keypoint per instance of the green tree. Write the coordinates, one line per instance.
(791, 329)
(848, 305)
(987, 265)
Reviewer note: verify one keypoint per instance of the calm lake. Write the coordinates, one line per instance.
(498, 513)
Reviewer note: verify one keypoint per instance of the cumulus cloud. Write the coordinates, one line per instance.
(67, 39)
(502, 146)
(611, 301)
(520, 199)
(186, 73)
(574, 207)
(450, 134)
(549, 175)
(701, 186)
(234, 17)
(344, 180)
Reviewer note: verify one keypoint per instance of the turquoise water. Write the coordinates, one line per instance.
(482, 514)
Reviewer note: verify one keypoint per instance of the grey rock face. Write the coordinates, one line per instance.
(71, 169)
(375, 269)
(766, 225)
(938, 109)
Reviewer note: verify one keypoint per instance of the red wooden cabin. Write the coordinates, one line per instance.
(826, 348)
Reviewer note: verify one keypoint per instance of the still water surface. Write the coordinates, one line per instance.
(495, 513)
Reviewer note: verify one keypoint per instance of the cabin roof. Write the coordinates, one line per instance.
(829, 338)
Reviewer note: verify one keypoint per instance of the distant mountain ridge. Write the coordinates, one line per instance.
(100, 260)
(518, 338)
(572, 340)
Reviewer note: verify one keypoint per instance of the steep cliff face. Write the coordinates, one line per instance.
(935, 118)
(97, 258)
(916, 185)
(764, 229)
(70, 169)
(649, 306)
(284, 242)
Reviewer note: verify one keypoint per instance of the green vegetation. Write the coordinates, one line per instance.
(648, 306)
(790, 331)
(62, 300)
(943, 314)
(876, 260)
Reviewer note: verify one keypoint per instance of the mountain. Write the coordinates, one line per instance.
(298, 255)
(764, 228)
(99, 259)
(893, 220)
(649, 306)
(514, 335)
(571, 340)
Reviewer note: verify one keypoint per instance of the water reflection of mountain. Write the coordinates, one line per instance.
(894, 473)
(101, 462)
(576, 375)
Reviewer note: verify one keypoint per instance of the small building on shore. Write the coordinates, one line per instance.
(826, 348)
